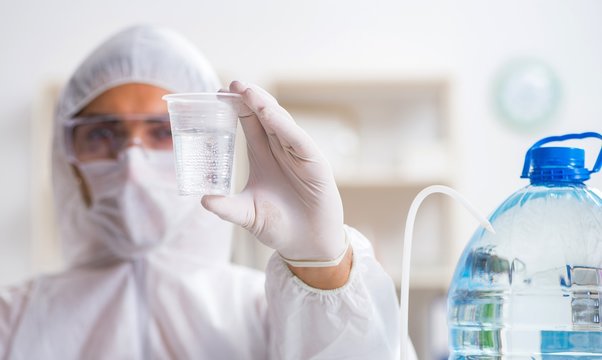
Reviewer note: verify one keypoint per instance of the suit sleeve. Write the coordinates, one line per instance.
(360, 320)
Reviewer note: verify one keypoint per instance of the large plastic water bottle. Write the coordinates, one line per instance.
(533, 289)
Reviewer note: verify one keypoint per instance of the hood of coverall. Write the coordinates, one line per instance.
(148, 55)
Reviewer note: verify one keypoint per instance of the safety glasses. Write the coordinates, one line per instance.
(105, 136)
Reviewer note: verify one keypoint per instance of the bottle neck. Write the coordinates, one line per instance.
(553, 183)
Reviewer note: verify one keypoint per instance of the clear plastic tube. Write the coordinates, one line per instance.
(407, 251)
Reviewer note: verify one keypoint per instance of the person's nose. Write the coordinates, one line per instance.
(134, 138)
(133, 141)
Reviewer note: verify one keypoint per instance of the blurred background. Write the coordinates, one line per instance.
(398, 94)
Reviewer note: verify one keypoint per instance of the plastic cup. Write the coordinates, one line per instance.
(203, 127)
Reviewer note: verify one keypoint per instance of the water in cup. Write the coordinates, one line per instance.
(204, 160)
(203, 126)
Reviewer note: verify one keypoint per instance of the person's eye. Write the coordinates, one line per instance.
(161, 132)
(99, 134)
(93, 141)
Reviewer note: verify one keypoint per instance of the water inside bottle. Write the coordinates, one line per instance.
(521, 325)
(532, 291)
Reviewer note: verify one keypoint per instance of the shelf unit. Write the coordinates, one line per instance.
(386, 140)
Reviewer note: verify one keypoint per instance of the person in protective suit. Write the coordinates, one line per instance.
(148, 272)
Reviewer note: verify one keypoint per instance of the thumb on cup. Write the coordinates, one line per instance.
(235, 209)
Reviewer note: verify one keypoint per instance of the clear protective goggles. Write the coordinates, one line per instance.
(105, 136)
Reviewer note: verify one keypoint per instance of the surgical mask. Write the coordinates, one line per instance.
(134, 202)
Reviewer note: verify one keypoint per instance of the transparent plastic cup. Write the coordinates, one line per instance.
(203, 127)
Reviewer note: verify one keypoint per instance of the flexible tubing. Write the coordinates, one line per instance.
(407, 251)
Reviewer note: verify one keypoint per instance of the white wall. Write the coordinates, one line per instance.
(261, 41)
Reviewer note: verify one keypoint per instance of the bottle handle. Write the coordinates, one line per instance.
(549, 139)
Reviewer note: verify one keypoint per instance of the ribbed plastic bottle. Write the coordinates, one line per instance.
(532, 289)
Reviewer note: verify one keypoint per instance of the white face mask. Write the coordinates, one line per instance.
(135, 203)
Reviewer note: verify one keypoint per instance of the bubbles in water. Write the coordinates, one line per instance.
(204, 161)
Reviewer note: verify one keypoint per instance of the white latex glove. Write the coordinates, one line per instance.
(291, 202)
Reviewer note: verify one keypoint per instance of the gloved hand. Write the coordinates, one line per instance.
(291, 202)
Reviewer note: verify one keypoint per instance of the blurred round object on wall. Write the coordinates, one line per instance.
(526, 93)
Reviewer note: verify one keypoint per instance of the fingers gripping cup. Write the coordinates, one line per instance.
(203, 127)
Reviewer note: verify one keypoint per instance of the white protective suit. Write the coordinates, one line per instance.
(177, 296)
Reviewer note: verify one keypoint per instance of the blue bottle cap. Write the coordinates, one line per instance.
(548, 165)
(558, 164)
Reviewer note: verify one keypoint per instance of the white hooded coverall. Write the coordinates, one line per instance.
(177, 296)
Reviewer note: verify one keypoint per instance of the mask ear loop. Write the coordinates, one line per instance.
(407, 251)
